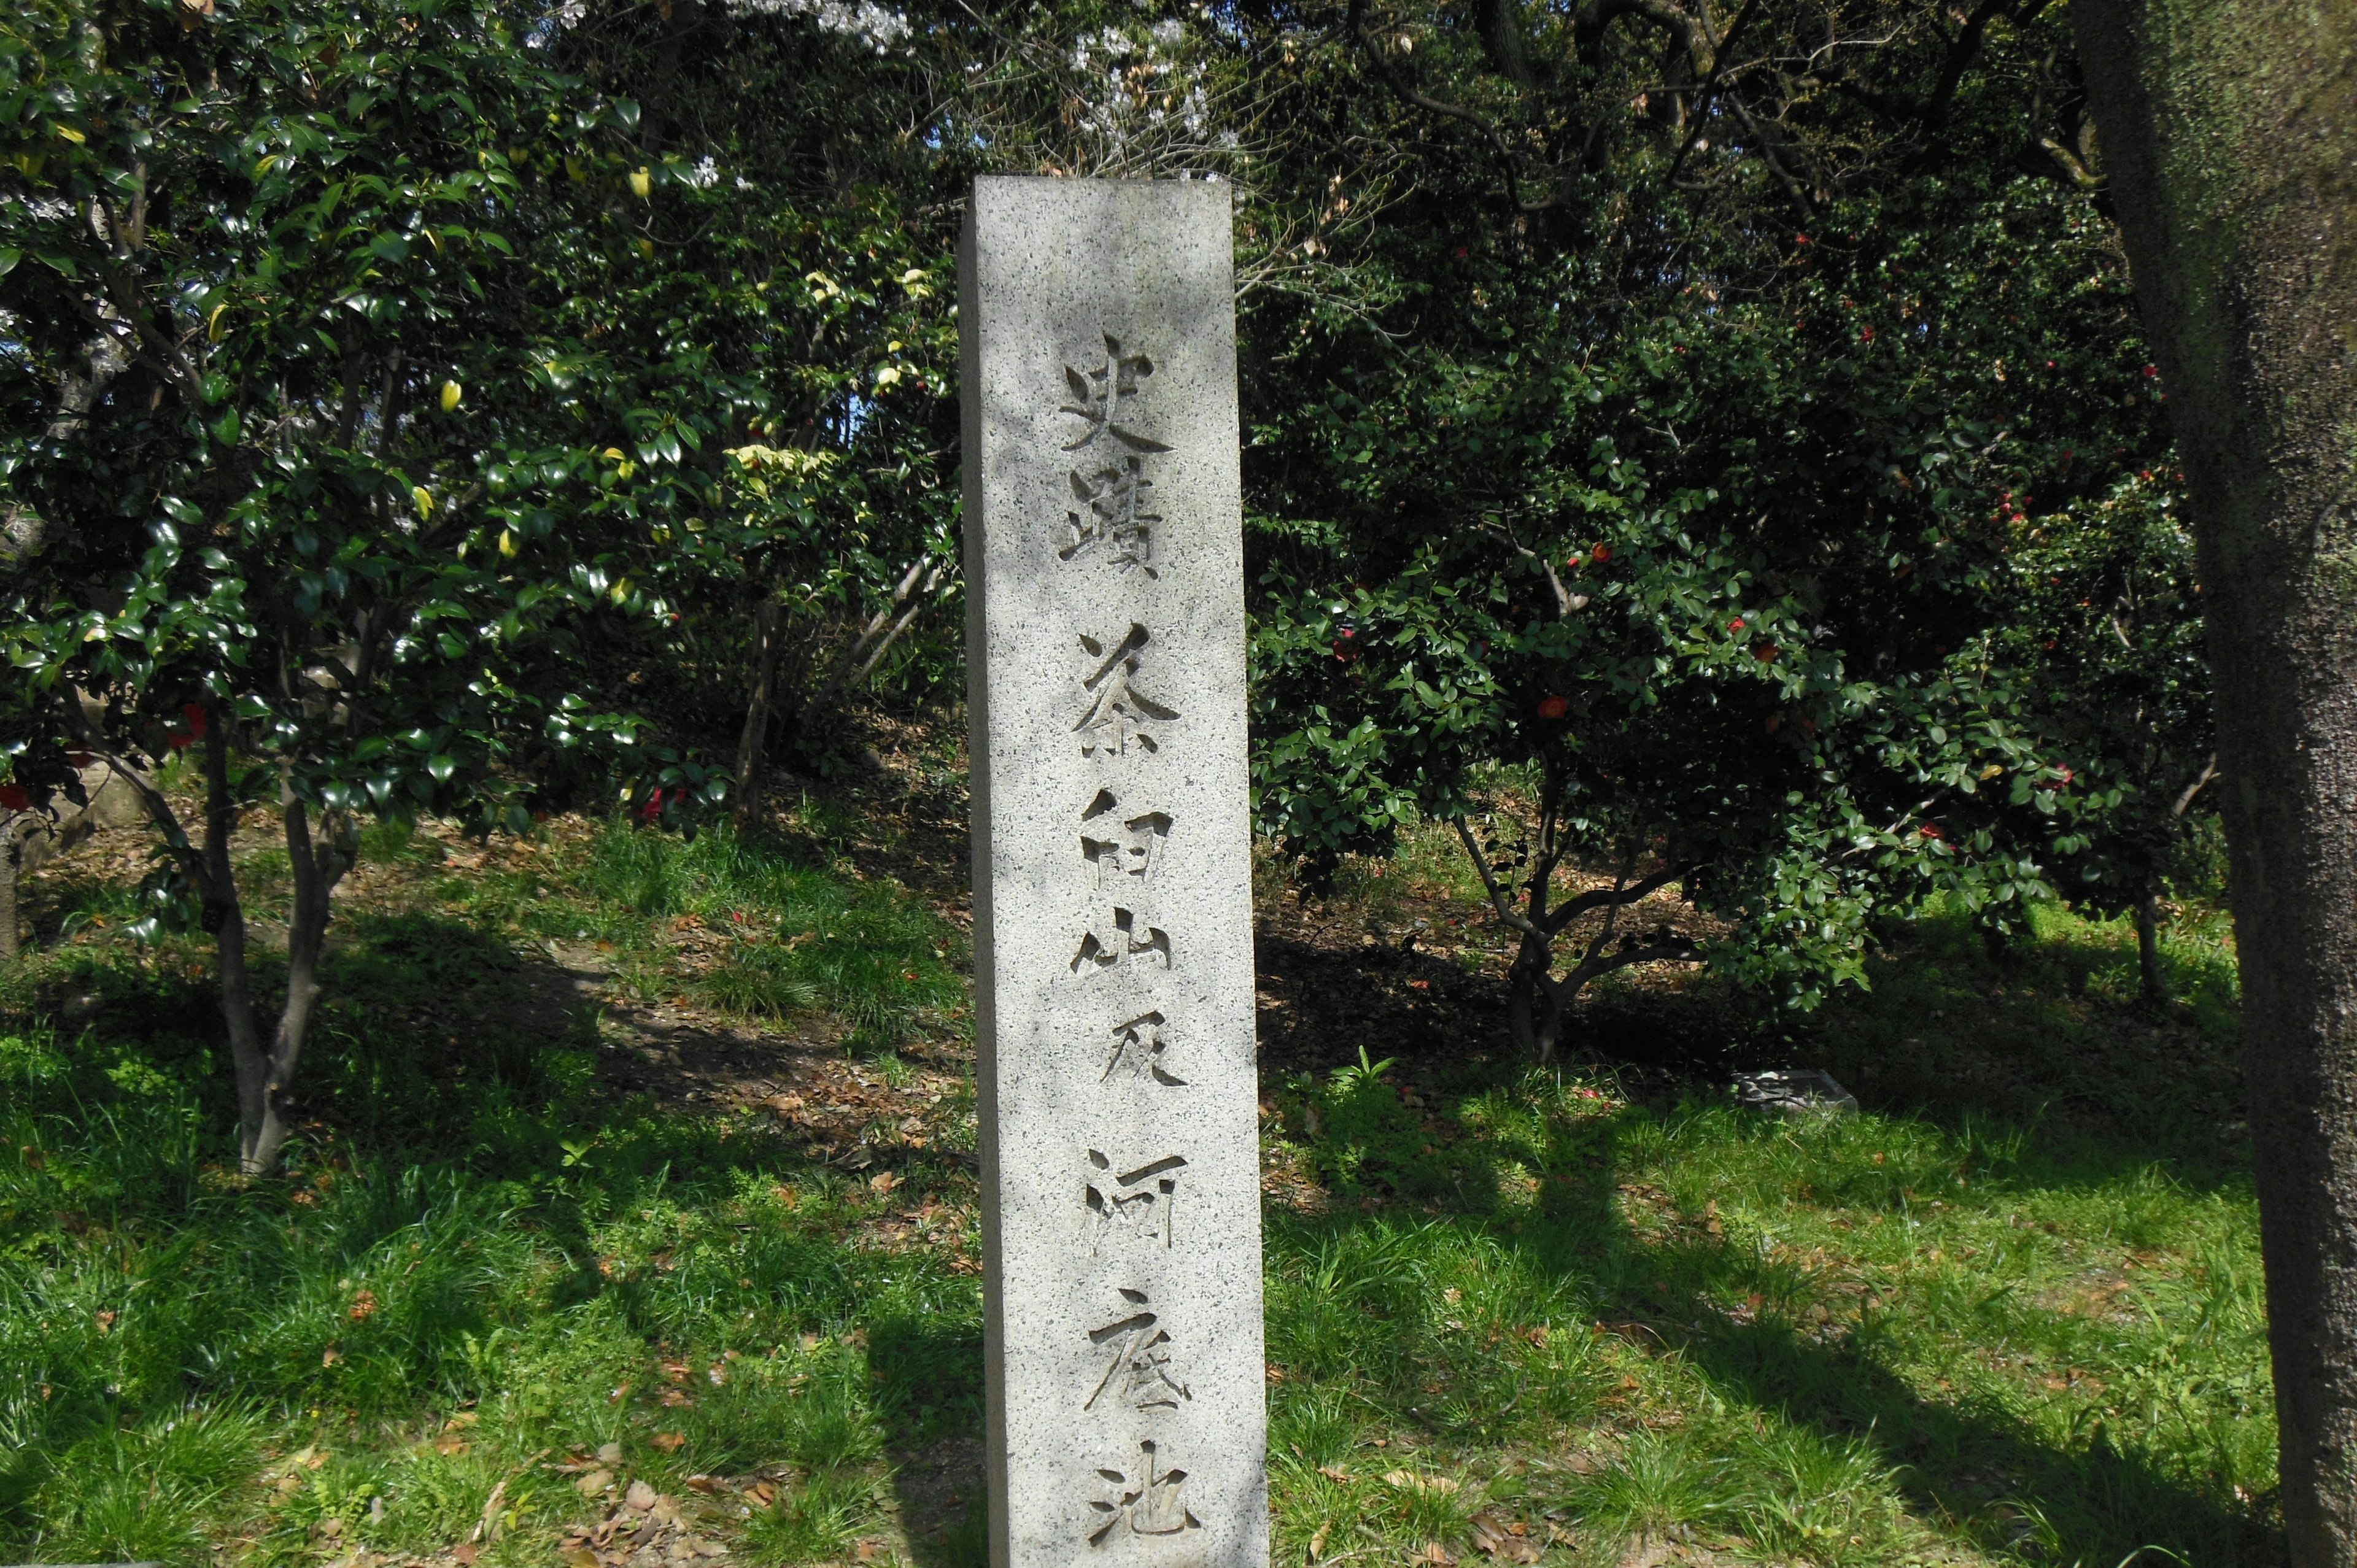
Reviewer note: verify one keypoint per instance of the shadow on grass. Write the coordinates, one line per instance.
(2058, 1094)
(927, 1378)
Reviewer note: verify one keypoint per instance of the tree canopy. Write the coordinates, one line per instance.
(1687, 450)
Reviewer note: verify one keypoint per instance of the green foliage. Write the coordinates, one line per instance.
(292, 234)
(2104, 636)
(1689, 502)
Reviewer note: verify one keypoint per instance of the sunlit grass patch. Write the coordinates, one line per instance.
(1979, 1324)
(742, 924)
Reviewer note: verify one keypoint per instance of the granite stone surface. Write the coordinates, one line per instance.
(1113, 878)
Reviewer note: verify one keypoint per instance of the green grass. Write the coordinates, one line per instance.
(795, 939)
(2010, 1314)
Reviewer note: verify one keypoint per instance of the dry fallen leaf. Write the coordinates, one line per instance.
(669, 1441)
(464, 1553)
(703, 1484)
(1317, 1543)
(640, 1497)
(1506, 1542)
(595, 1482)
(884, 1181)
(581, 1557)
(451, 1447)
(1435, 1554)
(1334, 1473)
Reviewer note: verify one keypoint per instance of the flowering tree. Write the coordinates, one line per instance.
(291, 473)
(1650, 517)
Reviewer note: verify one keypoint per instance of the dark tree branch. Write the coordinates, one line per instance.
(1407, 92)
(1613, 897)
(1497, 897)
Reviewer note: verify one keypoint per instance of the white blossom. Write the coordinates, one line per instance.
(873, 25)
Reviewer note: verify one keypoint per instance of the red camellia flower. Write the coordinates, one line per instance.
(1600, 555)
(1735, 625)
(1866, 334)
(1932, 830)
(197, 720)
(1800, 239)
(16, 797)
(1552, 707)
(2067, 775)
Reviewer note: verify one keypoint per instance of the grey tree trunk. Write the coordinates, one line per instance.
(2229, 136)
(10, 859)
(753, 744)
(224, 916)
(2147, 929)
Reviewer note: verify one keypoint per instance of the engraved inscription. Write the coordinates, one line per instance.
(1138, 1052)
(1137, 1360)
(1126, 940)
(1113, 514)
(1136, 1204)
(1099, 393)
(1146, 1498)
(1121, 847)
(1119, 714)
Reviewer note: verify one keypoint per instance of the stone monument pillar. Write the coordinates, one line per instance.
(1111, 877)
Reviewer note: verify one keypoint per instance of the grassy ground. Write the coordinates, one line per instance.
(635, 1220)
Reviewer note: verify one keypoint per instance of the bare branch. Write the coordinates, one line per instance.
(1679, 952)
(2185, 799)
(1616, 896)
(1497, 895)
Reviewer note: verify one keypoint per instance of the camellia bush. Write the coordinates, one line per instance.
(1646, 506)
(310, 472)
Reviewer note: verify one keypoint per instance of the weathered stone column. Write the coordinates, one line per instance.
(1113, 876)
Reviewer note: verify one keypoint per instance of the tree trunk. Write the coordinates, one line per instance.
(307, 931)
(753, 744)
(2229, 132)
(2148, 928)
(11, 850)
(1525, 994)
(224, 916)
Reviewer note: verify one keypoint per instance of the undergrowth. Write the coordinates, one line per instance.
(2011, 1313)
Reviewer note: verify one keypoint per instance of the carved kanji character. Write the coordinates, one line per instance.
(1113, 514)
(1147, 1498)
(1121, 939)
(1098, 395)
(1137, 1368)
(1137, 1203)
(1118, 713)
(1138, 1052)
(1124, 851)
